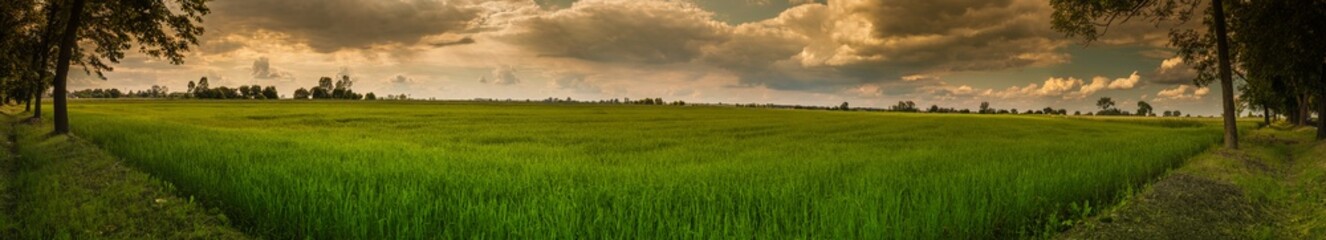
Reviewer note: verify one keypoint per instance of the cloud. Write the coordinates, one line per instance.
(809, 47)
(1182, 93)
(1099, 83)
(1126, 83)
(575, 82)
(870, 41)
(1066, 88)
(1173, 71)
(401, 79)
(647, 31)
(1052, 87)
(332, 25)
(504, 75)
(919, 77)
(462, 41)
(939, 35)
(262, 69)
(799, 2)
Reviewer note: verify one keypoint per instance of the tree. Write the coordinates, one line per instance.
(270, 93)
(1105, 103)
(320, 93)
(904, 106)
(29, 30)
(302, 94)
(323, 90)
(1085, 18)
(203, 89)
(370, 96)
(985, 107)
(1143, 108)
(1282, 52)
(157, 28)
(844, 107)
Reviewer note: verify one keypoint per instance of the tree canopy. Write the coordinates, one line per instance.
(1090, 19)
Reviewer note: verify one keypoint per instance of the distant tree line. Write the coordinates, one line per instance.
(627, 101)
(327, 89)
(203, 90)
(153, 92)
(1107, 106)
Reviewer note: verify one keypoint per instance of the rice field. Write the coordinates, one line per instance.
(427, 170)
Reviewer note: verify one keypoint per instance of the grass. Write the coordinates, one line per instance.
(1271, 188)
(65, 188)
(408, 170)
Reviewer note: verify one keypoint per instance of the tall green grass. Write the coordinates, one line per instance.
(400, 170)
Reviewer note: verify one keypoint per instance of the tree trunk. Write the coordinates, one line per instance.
(1321, 113)
(1304, 110)
(1266, 114)
(1321, 104)
(36, 106)
(1226, 80)
(62, 67)
(28, 108)
(44, 57)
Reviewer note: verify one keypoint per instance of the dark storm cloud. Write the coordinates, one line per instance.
(620, 31)
(814, 47)
(848, 43)
(331, 25)
(956, 35)
(462, 41)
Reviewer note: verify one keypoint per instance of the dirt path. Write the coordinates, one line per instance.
(61, 187)
(1257, 192)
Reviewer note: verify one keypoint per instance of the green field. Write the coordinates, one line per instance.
(406, 170)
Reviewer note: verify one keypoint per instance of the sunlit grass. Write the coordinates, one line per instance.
(398, 170)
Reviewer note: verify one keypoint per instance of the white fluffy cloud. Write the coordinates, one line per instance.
(1067, 88)
(1052, 87)
(1173, 71)
(1126, 83)
(1183, 92)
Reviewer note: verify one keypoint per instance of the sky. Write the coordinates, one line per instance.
(870, 53)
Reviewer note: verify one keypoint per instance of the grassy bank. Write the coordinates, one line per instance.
(66, 188)
(407, 170)
(1272, 188)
